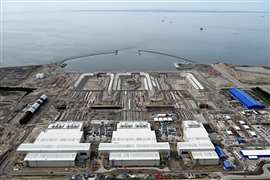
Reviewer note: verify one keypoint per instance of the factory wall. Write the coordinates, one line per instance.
(50, 163)
(206, 161)
(134, 162)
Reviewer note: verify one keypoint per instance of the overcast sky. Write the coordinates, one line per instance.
(218, 5)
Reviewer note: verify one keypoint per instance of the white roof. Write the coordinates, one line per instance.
(163, 119)
(253, 157)
(195, 83)
(195, 145)
(60, 142)
(133, 137)
(246, 126)
(242, 122)
(59, 136)
(161, 115)
(111, 147)
(134, 156)
(197, 141)
(66, 125)
(229, 132)
(236, 127)
(191, 124)
(195, 134)
(133, 125)
(25, 148)
(194, 130)
(265, 152)
(204, 155)
(252, 133)
(50, 156)
(138, 135)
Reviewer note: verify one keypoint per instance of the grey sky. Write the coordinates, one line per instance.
(219, 5)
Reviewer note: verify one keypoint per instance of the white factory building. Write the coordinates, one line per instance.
(59, 145)
(134, 144)
(197, 144)
(193, 81)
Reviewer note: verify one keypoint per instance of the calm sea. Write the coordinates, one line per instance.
(203, 36)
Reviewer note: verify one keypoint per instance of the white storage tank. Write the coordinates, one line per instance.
(35, 106)
(32, 110)
(44, 97)
(40, 101)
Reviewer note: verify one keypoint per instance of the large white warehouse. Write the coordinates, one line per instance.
(134, 144)
(59, 145)
(197, 144)
(193, 81)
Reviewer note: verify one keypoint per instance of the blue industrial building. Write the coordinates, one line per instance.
(227, 165)
(245, 99)
(220, 152)
(241, 140)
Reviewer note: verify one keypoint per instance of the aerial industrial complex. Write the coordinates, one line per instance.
(197, 144)
(134, 144)
(201, 121)
(59, 145)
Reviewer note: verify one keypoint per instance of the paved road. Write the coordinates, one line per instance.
(265, 175)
